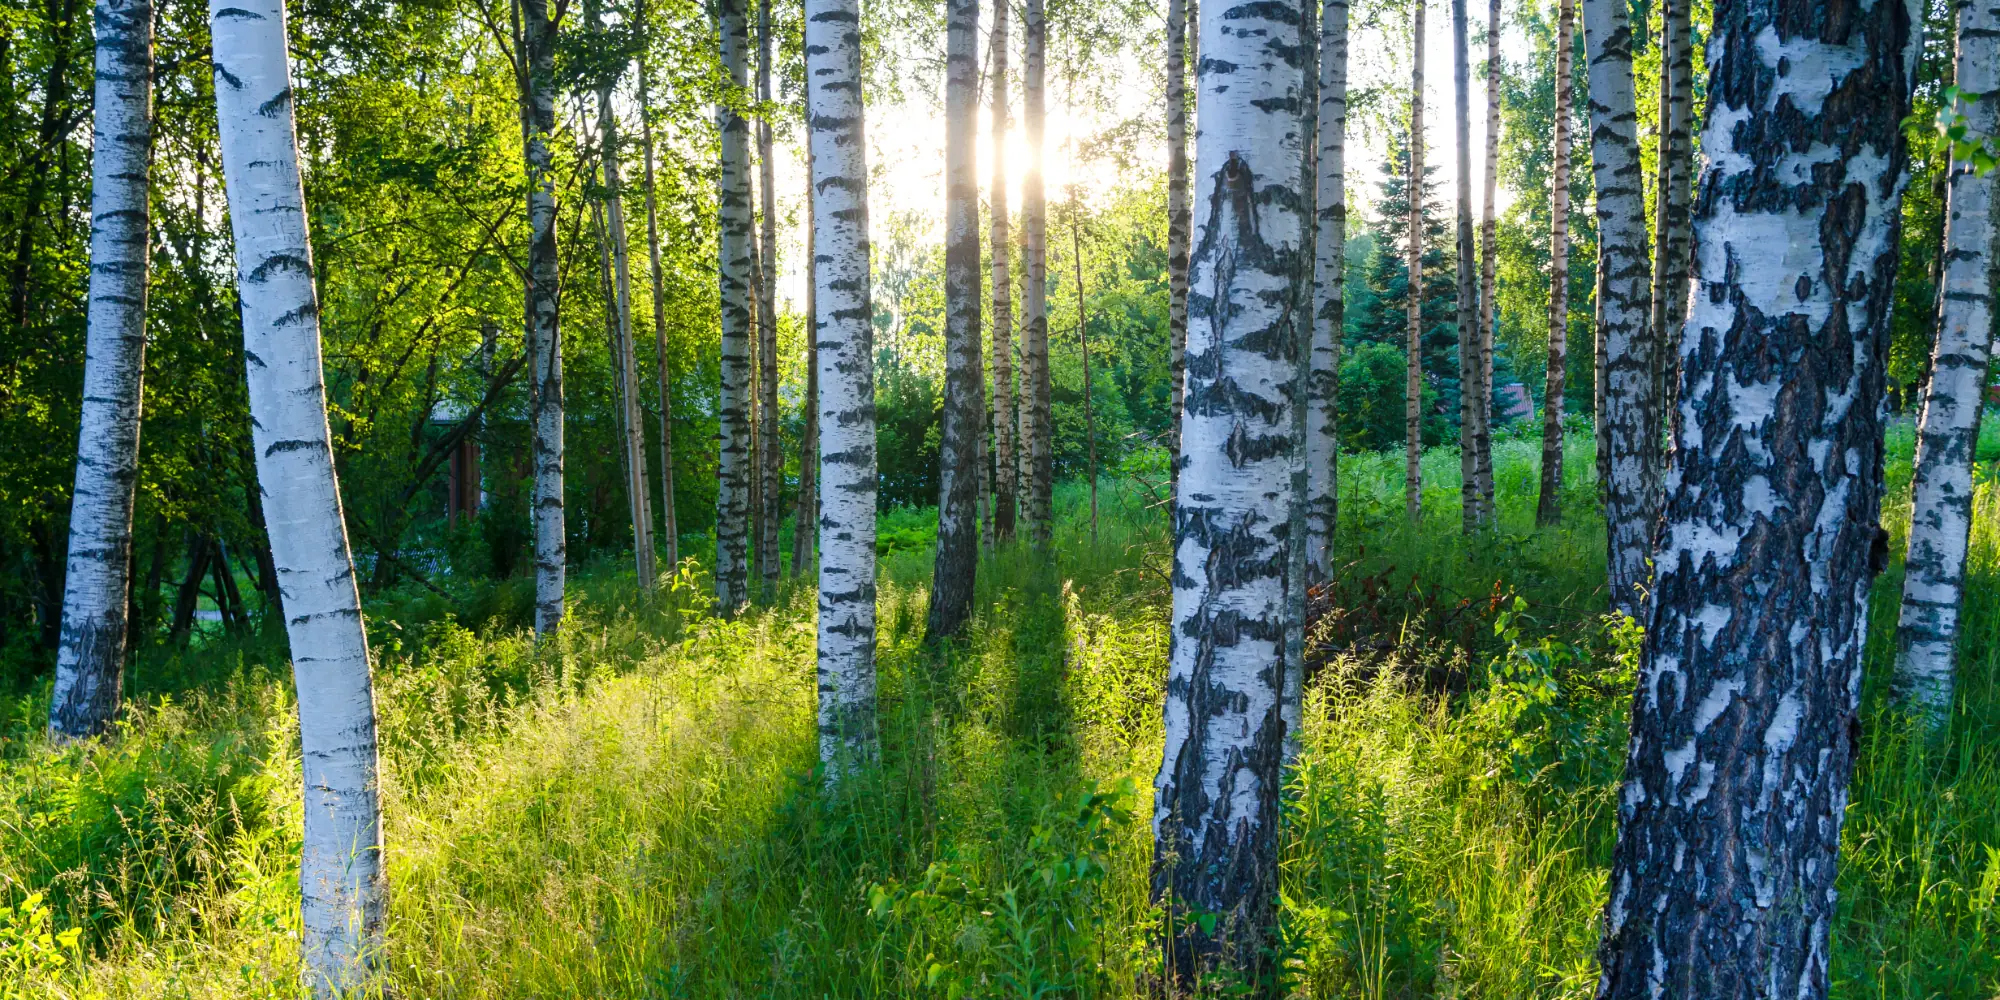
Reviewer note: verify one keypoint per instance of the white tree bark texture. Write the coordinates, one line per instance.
(1744, 719)
(964, 410)
(1329, 309)
(734, 467)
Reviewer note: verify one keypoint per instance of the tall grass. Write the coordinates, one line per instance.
(631, 811)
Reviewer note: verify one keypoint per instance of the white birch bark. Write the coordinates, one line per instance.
(1948, 436)
(734, 466)
(1413, 311)
(1177, 215)
(90, 657)
(340, 872)
(1329, 310)
(1723, 880)
(958, 473)
(771, 461)
(1000, 245)
(669, 524)
(1469, 408)
(1630, 413)
(842, 317)
(544, 328)
(1216, 813)
(1038, 469)
(1489, 259)
(1672, 193)
(1548, 509)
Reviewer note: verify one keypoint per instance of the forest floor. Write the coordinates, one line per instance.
(631, 811)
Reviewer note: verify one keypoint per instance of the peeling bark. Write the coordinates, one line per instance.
(1549, 509)
(734, 469)
(958, 480)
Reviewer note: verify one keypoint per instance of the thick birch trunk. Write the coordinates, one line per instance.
(1413, 312)
(1216, 814)
(544, 332)
(1469, 409)
(1744, 720)
(846, 362)
(1675, 164)
(958, 479)
(90, 657)
(1000, 245)
(1941, 497)
(1489, 259)
(1631, 448)
(340, 872)
(1329, 309)
(734, 471)
(1177, 216)
(1038, 467)
(1549, 509)
(771, 461)
(632, 424)
(669, 524)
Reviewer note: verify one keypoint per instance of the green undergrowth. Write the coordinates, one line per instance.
(633, 810)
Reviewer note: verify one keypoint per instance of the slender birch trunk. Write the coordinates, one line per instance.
(538, 123)
(1083, 344)
(805, 514)
(836, 133)
(90, 657)
(1489, 258)
(1722, 883)
(669, 524)
(1671, 200)
(1216, 818)
(734, 470)
(1329, 310)
(1413, 351)
(1001, 244)
(1941, 497)
(1038, 460)
(756, 368)
(1632, 454)
(340, 871)
(1469, 409)
(1177, 217)
(1549, 509)
(771, 460)
(958, 479)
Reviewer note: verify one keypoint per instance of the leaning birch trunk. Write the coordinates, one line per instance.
(1631, 415)
(1675, 163)
(1469, 408)
(1000, 244)
(1941, 497)
(1413, 349)
(1329, 310)
(1723, 880)
(958, 473)
(90, 658)
(1217, 795)
(1548, 510)
(846, 361)
(1037, 459)
(669, 525)
(771, 461)
(1489, 259)
(1177, 219)
(340, 870)
(732, 499)
(544, 288)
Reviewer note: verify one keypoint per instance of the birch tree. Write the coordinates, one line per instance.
(1549, 508)
(964, 412)
(1329, 311)
(1177, 215)
(1675, 171)
(732, 498)
(1413, 350)
(1038, 459)
(340, 871)
(543, 296)
(1489, 257)
(90, 656)
(1630, 413)
(842, 316)
(805, 513)
(669, 524)
(1216, 815)
(770, 461)
(1469, 408)
(1948, 434)
(1722, 883)
(1000, 245)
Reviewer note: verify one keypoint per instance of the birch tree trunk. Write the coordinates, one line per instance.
(1177, 217)
(1549, 509)
(958, 446)
(805, 514)
(1329, 310)
(1947, 437)
(340, 871)
(1675, 164)
(1469, 409)
(1489, 263)
(1001, 244)
(1632, 455)
(1216, 815)
(1744, 721)
(669, 524)
(846, 360)
(771, 462)
(538, 122)
(90, 657)
(734, 471)
(643, 556)
(1413, 349)
(1038, 467)
(756, 368)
